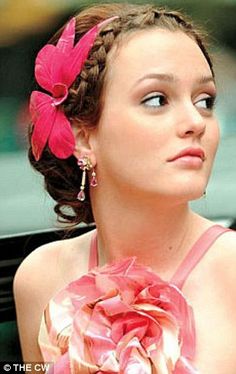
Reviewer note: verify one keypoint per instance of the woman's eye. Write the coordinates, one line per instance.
(155, 101)
(206, 103)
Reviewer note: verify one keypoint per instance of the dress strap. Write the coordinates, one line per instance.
(93, 254)
(196, 253)
(192, 258)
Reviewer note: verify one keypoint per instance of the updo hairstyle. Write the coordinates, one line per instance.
(85, 100)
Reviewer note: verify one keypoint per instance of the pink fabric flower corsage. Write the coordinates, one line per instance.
(122, 318)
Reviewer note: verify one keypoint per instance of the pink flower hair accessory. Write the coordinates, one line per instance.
(56, 68)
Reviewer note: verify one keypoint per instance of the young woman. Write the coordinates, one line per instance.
(129, 103)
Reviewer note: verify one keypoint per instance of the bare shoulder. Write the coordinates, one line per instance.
(217, 268)
(225, 245)
(55, 263)
(226, 253)
(211, 292)
(39, 277)
(223, 265)
(219, 262)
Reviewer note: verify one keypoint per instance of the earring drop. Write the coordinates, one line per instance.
(85, 165)
(81, 194)
(94, 181)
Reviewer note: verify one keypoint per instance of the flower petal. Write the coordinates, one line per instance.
(66, 41)
(43, 114)
(62, 366)
(138, 364)
(79, 348)
(45, 68)
(170, 348)
(61, 140)
(113, 306)
(90, 339)
(81, 51)
(184, 367)
(110, 365)
(132, 324)
(133, 358)
(188, 334)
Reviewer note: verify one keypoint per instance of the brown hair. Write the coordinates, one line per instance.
(84, 103)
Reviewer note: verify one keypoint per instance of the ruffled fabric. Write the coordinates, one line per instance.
(120, 318)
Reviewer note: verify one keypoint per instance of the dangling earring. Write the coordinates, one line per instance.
(94, 181)
(86, 165)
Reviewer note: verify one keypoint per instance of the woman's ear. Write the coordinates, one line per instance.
(82, 144)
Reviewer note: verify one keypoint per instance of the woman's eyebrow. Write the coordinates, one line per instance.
(160, 76)
(206, 79)
(171, 78)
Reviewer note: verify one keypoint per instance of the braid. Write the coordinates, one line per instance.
(85, 92)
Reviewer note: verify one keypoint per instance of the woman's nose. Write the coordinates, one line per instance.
(191, 123)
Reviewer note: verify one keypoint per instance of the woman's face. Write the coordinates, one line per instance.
(158, 104)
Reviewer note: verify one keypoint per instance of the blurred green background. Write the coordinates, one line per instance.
(25, 26)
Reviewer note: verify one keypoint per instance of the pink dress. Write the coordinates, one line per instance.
(81, 328)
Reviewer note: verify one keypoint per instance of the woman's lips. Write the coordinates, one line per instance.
(189, 157)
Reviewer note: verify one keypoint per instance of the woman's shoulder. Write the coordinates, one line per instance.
(225, 246)
(222, 240)
(223, 265)
(217, 267)
(53, 265)
(225, 252)
(222, 250)
(39, 278)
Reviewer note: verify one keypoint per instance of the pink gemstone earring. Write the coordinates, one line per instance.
(86, 165)
(94, 181)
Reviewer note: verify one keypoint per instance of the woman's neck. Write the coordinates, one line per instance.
(159, 234)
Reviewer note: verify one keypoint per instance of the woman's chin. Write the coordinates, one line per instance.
(181, 196)
(196, 195)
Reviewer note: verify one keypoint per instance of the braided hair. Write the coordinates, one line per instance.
(84, 103)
